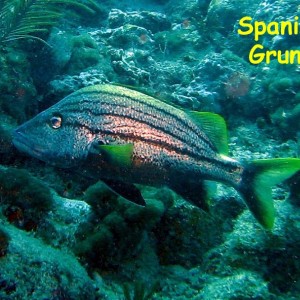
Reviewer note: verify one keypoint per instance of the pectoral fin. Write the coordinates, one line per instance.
(120, 154)
(126, 190)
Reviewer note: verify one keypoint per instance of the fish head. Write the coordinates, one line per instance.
(54, 137)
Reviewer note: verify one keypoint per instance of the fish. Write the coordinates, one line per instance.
(125, 137)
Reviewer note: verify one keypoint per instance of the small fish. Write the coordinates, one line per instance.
(124, 137)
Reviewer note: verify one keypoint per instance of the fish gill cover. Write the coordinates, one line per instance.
(77, 237)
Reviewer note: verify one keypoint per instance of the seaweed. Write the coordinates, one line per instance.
(22, 19)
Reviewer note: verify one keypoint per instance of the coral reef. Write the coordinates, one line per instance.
(24, 199)
(118, 230)
(16, 85)
(4, 242)
(247, 248)
(7, 151)
(50, 273)
(151, 21)
(63, 236)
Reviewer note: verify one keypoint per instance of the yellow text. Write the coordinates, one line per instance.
(260, 28)
(258, 55)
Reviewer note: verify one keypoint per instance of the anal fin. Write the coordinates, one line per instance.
(193, 191)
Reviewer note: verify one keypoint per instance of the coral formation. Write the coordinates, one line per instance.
(50, 273)
(117, 230)
(24, 199)
(84, 54)
(16, 85)
(4, 242)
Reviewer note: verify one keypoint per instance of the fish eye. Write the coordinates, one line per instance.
(55, 122)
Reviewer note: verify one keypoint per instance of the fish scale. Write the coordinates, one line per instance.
(148, 107)
(183, 134)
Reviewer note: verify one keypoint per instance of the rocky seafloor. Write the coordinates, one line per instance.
(64, 237)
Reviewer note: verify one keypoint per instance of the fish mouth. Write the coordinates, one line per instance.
(23, 144)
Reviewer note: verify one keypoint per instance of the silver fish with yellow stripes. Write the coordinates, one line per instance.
(124, 137)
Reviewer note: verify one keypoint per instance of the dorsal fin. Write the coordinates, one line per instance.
(214, 127)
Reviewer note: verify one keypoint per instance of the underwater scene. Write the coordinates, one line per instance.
(149, 149)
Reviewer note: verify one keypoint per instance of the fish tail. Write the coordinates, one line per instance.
(258, 179)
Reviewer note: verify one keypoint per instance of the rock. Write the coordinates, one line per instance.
(241, 285)
(178, 224)
(18, 93)
(217, 78)
(118, 231)
(50, 273)
(61, 43)
(223, 14)
(187, 9)
(130, 36)
(152, 21)
(7, 151)
(251, 248)
(66, 84)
